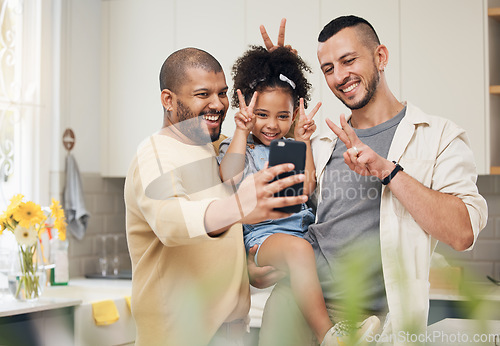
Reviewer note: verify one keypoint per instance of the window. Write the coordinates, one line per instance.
(19, 98)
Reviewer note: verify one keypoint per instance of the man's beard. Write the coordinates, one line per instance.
(370, 92)
(194, 127)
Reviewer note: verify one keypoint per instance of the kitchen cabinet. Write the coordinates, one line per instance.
(443, 65)
(218, 27)
(494, 77)
(133, 50)
(89, 291)
(48, 321)
(137, 36)
(52, 327)
(436, 62)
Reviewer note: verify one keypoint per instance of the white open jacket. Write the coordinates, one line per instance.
(435, 152)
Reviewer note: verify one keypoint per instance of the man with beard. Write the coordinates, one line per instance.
(189, 270)
(369, 210)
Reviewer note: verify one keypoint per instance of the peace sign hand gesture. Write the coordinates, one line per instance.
(245, 119)
(305, 126)
(359, 157)
(281, 38)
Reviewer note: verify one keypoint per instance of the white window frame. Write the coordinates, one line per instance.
(37, 122)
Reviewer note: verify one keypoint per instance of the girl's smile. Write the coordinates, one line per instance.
(274, 113)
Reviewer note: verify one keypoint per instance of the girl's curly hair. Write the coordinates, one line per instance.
(258, 69)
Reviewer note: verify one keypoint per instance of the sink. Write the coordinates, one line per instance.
(123, 275)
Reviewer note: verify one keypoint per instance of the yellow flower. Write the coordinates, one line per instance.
(57, 210)
(6, 220)
(3, 222)
(16, 200)
(25, 236)
(29, 214)
(58, 214)
(60, 225)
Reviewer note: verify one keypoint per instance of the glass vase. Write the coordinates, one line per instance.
(27, 281)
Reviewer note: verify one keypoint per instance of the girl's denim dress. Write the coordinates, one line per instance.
(296, 224)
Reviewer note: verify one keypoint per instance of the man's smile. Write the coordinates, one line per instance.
(349, 88)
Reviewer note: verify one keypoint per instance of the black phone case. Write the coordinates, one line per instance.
(288, 151)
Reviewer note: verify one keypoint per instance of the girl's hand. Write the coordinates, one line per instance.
(245, 119)
(305, 126)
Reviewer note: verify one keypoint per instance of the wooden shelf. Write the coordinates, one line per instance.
(495, 89)
(495, 170)
(494, 13)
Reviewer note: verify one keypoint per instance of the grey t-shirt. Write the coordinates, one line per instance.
(346, 236)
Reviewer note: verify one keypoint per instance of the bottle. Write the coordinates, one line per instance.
(59, 275)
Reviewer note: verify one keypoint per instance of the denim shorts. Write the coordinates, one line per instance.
(295, 224)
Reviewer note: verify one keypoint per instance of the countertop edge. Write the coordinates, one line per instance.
(14, 307)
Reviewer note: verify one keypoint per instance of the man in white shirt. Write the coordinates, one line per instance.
(397, 182)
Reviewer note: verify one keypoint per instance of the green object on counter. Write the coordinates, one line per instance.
(53, 282)
(59, 275)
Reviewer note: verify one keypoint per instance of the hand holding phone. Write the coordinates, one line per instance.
(289, 151)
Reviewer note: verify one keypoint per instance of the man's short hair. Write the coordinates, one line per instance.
(173, 70)
(364, 29)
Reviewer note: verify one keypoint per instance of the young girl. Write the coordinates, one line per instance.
(276, 91)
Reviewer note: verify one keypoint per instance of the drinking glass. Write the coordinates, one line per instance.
(103, 257)
(116, 257)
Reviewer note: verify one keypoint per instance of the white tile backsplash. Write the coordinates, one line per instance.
(486, 250)
(484, 259)
(104, 201)
(476, 270)
(489, 231)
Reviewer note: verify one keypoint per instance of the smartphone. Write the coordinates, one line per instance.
(289, 151)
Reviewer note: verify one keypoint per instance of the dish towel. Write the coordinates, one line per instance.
(105, 313)
(73, 202)
(127, 299)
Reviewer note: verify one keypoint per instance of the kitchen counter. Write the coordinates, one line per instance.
(78, 291)
(452, 303)
(10, 306)
(453, 331)
(443, 302)
(483, 290)
(90, 290)
(64, 315)
(81, 293)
